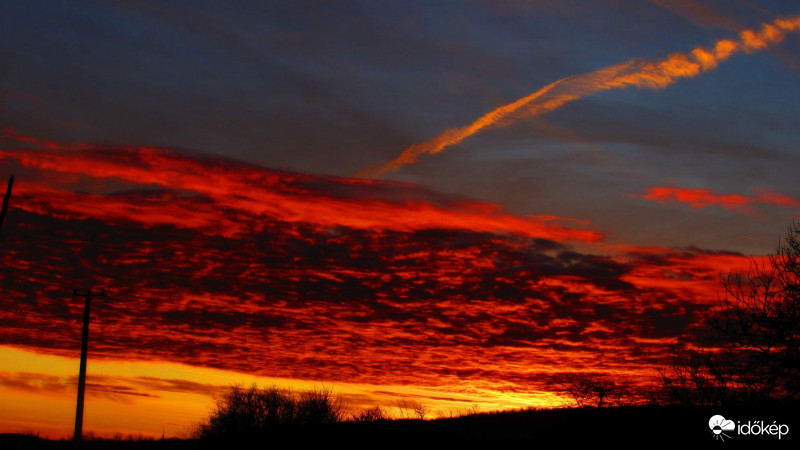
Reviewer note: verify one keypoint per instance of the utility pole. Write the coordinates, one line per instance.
(84, 348)
(5, 199)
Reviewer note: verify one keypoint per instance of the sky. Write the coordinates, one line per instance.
(457, 203)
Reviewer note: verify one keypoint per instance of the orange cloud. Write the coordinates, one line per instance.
(657, 74)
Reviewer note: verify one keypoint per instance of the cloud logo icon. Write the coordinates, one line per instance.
(719, 425)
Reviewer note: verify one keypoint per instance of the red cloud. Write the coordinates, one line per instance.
(11, 134)
(703, 198)
(235, 196)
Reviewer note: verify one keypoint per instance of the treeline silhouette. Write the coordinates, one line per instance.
(748, 350)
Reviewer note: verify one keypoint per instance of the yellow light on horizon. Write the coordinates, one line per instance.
(151, 398)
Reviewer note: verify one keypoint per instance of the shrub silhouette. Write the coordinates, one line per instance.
(371, 415)
(246, 413)
(318, 407)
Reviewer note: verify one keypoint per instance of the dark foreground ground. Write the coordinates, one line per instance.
(642, 427)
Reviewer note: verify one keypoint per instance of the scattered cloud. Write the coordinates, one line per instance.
(704, 198)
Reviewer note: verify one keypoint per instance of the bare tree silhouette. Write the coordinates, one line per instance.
(751, 349)
(760, 322)
(592, 390)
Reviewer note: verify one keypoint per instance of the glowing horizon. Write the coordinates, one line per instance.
(172, 399)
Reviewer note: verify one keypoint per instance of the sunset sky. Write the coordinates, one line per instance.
(456, 203)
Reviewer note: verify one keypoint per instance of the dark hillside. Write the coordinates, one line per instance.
(628, 426)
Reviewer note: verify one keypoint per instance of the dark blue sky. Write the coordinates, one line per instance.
(331, 87)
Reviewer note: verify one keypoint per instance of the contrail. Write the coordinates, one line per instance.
(653, 74)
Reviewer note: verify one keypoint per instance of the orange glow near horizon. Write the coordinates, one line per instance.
(150, 398)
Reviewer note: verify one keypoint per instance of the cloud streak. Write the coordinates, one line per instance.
(698, 13)
(704, 198)
(651, 74)
(210, 194)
